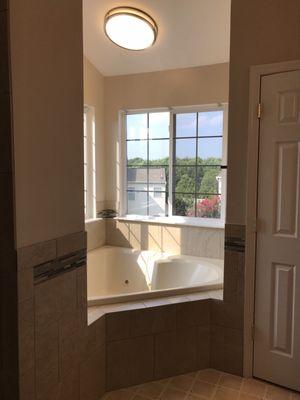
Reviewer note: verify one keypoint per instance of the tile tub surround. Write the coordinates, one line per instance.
(60, 356)
(96, 233)
(73, 360)
(187, 240)
(160, 338)
(208, 384)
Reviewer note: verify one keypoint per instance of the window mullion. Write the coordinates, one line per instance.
(148, 208)
(172, 129)
(196, 175)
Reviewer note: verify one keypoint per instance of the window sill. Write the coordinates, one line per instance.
(175, 221)
(92, 220)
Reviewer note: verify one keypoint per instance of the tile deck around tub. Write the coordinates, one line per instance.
(206, 384)
(96, 312)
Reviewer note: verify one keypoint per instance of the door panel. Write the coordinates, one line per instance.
(277, 298)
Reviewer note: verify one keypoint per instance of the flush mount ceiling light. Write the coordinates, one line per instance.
(130, 28)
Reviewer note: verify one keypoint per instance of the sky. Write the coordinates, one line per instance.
(209, 124)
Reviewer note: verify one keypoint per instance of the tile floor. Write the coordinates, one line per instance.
(204, 384)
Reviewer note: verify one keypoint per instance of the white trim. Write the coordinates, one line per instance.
(219, 222)
(175, 220)
(146, 110)
(90, 160)
(256, 73)
(199, 108)
(122, 162)
(171, 144)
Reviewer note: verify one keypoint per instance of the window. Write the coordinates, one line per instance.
(176, 163)
(89, 163)
(131, 194)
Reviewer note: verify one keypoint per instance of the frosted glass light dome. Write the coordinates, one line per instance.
(130, 28)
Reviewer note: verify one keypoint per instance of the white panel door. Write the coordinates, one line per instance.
(277, 298)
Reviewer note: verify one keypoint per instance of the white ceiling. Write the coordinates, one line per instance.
(191, 33)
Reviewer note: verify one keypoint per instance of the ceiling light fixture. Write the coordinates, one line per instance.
(130, 28)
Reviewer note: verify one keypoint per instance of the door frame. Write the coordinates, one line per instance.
(256, 74)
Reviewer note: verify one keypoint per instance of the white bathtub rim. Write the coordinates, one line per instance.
(157, 294)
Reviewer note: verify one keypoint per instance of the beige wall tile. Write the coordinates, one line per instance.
(71, 243)
(193, 313)
(47, 302)
(118, 325)
(69, 386)
(182, 344)
(25, 284)
(26, 336)
(192, 241)
(153, 320)
(92, 375)
(96, 234)
(101, 331)
(27, 385)
(203, 347)
(129, 362)
(47, 357)
(82, 288)
(69, 355)
(36, 254)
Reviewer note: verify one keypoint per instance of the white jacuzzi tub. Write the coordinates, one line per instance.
(121, 274)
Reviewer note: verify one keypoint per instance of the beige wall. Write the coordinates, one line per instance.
(183, 87)
(261, 32)
(46, 55)
(94, 97)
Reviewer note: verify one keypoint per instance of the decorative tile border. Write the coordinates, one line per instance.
(235, 237)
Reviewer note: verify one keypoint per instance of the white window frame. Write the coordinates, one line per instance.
(172, 219)
(90, 163)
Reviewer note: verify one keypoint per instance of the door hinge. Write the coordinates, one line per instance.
(259, 110)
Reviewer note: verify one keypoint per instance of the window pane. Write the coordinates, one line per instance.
(131, 196)
(158, 204)
(159, 125)
(158, 179)
(137, 126)
(184, 205)
(210, 150)
(137, 179)
(185, 151)
(137, 152)
(210, 123)
(186, 124)
(139, 205)
(208, 180)
(159, 152)
(209, 207)
(184, 179)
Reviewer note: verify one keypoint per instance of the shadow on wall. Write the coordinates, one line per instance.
(193, 241)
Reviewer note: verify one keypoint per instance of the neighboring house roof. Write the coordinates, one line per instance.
(139, 175)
